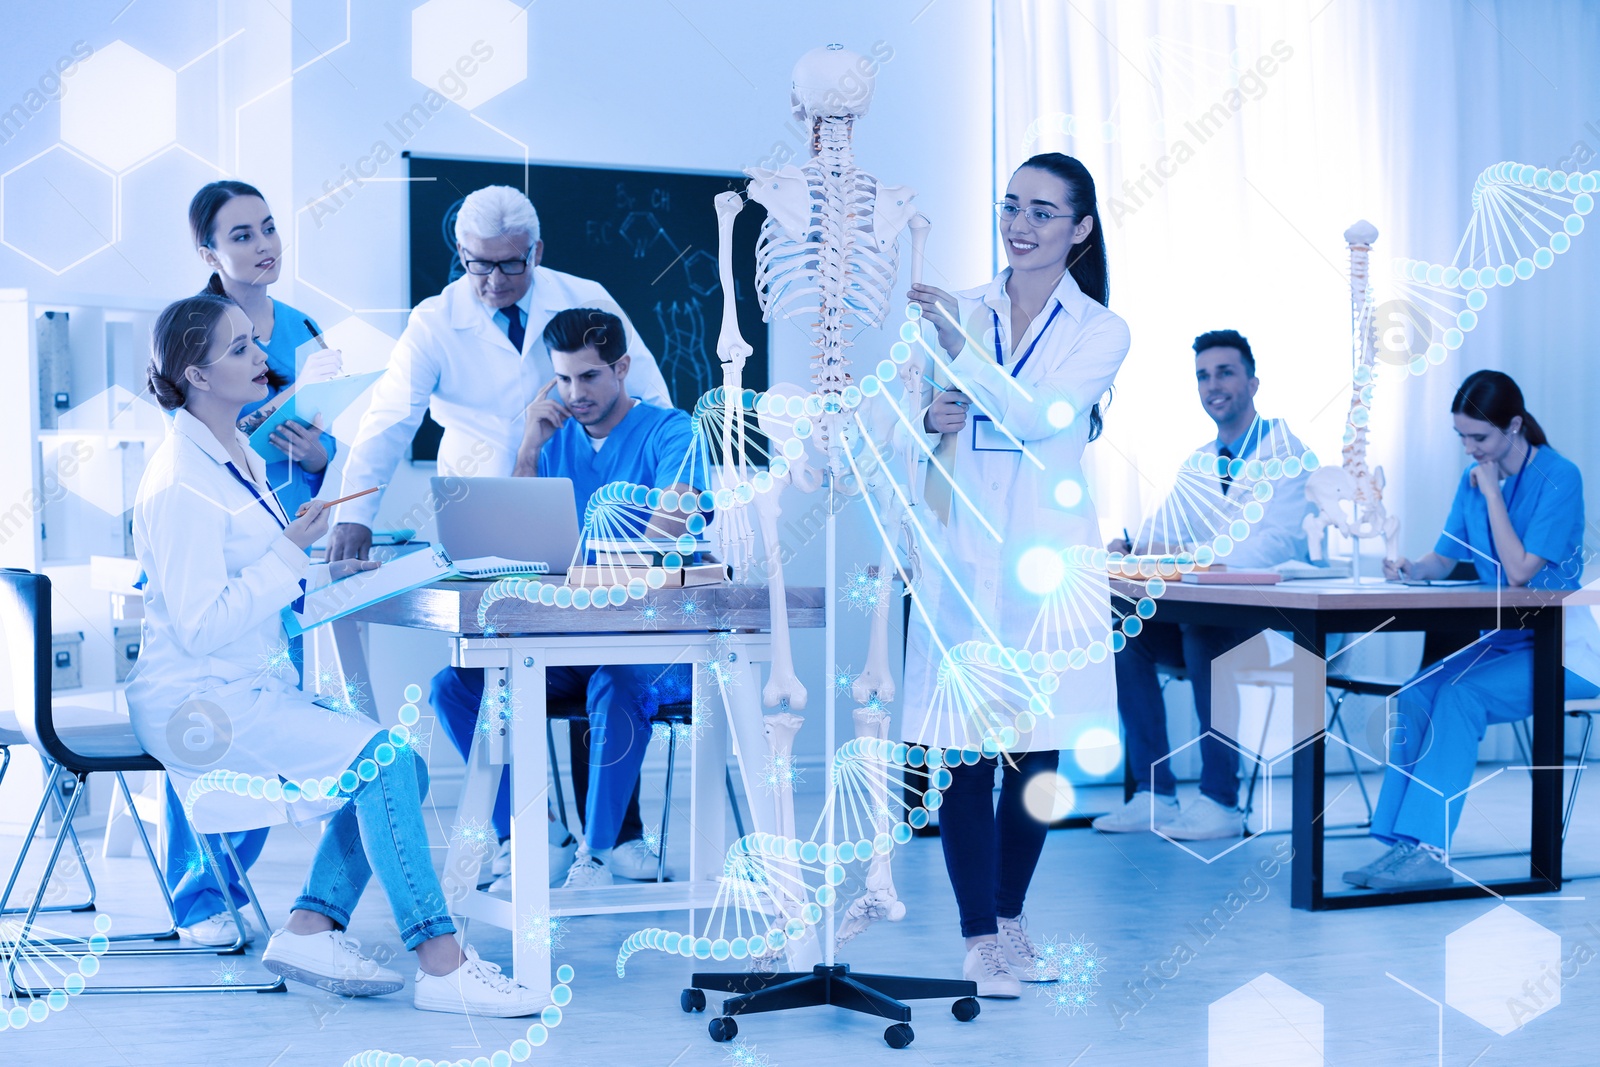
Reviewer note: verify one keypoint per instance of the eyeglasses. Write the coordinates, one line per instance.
(1036, 215)
(508, 267)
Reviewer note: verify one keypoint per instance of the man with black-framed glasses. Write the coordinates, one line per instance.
(474, 355)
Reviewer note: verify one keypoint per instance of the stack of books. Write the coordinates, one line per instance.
(619, 561)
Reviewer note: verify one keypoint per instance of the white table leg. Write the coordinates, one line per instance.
(530, 856)
(706, 827)
(743, 715)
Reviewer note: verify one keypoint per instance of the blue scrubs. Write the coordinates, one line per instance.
(1442, 713)
(651, 446)
(194, 891)
(292, 483)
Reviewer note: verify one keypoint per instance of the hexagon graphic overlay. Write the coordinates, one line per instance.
(469, 51)
(122, 107)
(1502, 970)
(1264, 1023)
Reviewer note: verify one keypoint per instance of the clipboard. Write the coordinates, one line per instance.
(328, 399)
(335, 600)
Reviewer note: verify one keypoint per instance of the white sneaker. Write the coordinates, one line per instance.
(1205, 820)
(586, 872)
(218, 931)
(562, 848)
(634, 860)
(475, 988)
(1137, 814)
(328, 960)
(986, 965)
(1021, 954)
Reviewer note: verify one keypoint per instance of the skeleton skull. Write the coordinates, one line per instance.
(832, 82)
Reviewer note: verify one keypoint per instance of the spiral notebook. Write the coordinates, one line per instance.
(497, 567)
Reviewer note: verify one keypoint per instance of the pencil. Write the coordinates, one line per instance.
(306, 506)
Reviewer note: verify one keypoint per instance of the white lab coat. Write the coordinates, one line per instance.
(457, 358)
(1075, 362)
(205, 695)
(1279, 537)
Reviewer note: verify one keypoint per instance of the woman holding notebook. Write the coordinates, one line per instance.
(215, 700)
(236, 236)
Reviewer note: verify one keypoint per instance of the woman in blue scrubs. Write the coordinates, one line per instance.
(1518, 517)
(236, 236)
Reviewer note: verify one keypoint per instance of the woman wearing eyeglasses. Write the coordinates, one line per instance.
(1026, 359)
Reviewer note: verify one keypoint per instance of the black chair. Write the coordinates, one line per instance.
(11, 734)
(80, 742)
(670, 715)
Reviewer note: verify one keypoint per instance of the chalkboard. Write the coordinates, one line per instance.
(649, 237)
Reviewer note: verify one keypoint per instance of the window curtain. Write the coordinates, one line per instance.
(1233, 143)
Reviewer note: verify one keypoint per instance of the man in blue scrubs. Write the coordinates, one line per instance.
(1225, 372)
(594, 433)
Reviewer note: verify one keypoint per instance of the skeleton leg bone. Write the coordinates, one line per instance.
(880, 900)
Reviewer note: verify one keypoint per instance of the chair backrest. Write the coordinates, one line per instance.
(25, 627)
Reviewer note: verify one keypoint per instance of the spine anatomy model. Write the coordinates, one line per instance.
(1353, 482)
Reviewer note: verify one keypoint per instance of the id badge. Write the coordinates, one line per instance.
(987, 437)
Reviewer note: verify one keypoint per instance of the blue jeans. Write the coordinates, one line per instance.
(1434, 727)
(194, 891)
(620, 701)
(991, 852)
(380, 829)
(1144, 713)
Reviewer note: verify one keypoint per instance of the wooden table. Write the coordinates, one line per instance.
(524, 640)
(1310, 611)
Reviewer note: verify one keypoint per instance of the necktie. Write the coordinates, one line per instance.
(514, 328)
(1224, 456)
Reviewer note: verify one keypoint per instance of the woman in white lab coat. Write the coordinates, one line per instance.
(1027, 362)
(213, 692)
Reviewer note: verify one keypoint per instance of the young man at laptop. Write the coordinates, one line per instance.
(584, 426)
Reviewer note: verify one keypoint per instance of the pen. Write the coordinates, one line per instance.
(315, 333)
(1126, 539)
(306, 506)
(944, 389)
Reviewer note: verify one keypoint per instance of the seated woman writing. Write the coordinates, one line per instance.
(223, 559)
(1518, 517)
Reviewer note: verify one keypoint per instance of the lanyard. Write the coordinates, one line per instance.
(999, 355)
(299, 601)
(248, 484)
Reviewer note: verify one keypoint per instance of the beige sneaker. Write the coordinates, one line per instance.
(986, 965)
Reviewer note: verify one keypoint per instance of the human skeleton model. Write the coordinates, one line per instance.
(827, 258)
(1329, 488)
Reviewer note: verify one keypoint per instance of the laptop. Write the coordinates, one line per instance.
(507, 525)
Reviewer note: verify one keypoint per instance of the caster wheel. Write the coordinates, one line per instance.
(966, 1009)
(692, 1000)
(899, 1035)
(723, 1028)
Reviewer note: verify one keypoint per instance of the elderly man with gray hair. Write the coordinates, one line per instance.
(474, 354)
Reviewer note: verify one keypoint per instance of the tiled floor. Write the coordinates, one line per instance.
(1376, 974)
